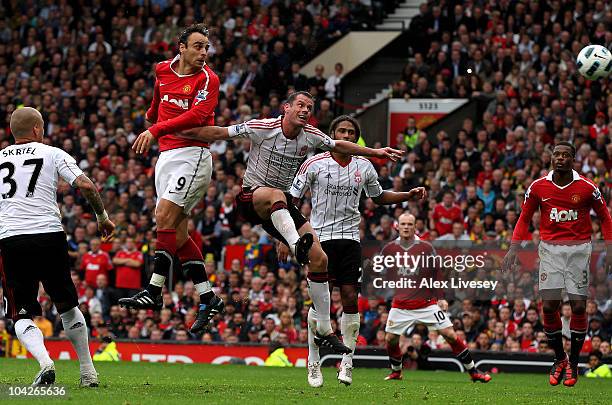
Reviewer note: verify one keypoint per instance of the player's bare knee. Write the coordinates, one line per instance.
(163, 218)
(168, 215)
(276, 196)
(318, 260)
(448, 334)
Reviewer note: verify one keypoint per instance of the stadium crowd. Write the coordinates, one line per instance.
(88, 70)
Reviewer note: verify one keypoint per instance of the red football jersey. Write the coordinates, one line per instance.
(181, 102)
(417, 297)
(565, 211)
(445, 217)
(94, 264)
(126, 276)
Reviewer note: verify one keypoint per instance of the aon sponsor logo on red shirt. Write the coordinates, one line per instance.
(184, 104)
(563, 215)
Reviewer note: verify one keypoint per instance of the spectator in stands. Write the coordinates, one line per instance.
(445, 214)
(316, 83)
(332, 85)
(128, 264)
(95, 262)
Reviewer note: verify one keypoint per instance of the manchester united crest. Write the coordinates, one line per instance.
(186, 88)
(576, 198)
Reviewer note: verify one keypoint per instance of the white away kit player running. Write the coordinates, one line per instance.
(33, 242)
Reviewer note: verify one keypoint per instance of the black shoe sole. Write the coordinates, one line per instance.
(127, 303)
(196, 328)
(47, 378)
(340, 349)
(302, 248)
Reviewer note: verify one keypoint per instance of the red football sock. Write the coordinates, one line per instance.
(457, 346)
(189, 251)
(166, 240)
(395, 355)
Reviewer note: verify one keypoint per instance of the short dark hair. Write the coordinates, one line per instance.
(295, 94)
(184, 36)
(597, 354)
(334, 124)
(569, 145)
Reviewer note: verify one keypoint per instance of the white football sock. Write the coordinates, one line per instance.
(319, 293)
(349, 326)
(76, 330)
(32, 339)
(313, 349)
(284, 224)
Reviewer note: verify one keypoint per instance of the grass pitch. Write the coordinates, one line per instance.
(144, 383)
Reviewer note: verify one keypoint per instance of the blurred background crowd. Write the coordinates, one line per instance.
(88, 69)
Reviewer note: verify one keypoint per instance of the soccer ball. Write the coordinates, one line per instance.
(594, 61)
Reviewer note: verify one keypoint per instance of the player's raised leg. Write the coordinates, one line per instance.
(192, 263)
(349, 327)
(168, 215)
(272, 204)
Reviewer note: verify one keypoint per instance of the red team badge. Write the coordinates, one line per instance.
(576, 198)
(303, 150)
(186, 89)
(357, 177)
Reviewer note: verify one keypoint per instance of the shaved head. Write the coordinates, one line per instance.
(24, 121)
(406, 226)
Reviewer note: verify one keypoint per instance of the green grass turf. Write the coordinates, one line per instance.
(162, 383)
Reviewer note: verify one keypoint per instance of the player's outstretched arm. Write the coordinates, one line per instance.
(105, 226)
(393, 197)
(207, 134)
(351, 148)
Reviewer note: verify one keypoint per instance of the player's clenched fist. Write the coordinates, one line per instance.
(143, 143)
(419, 193)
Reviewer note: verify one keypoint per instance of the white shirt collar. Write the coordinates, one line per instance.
(177, 57)
(575, 175)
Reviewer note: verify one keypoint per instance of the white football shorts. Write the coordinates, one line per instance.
(401, 320)
(182, 176)
(565, 266)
